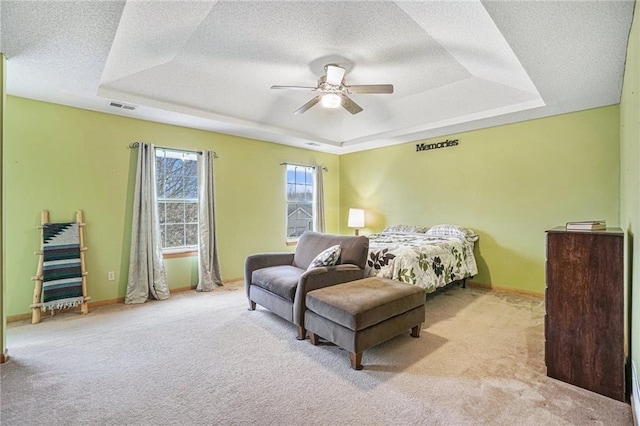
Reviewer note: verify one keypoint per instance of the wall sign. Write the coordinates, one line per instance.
(428, 146)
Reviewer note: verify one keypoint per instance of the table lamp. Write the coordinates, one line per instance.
(356, 219)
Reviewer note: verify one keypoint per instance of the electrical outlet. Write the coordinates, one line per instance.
(111, 275)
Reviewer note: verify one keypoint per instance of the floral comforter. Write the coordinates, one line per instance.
(427, 261)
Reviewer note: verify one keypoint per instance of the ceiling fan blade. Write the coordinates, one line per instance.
(349, 105)
(295, 87)
(308, 105)
(370, 88)
(335, 74)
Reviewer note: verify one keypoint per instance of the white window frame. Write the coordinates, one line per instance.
(310, 170)
(184, 156)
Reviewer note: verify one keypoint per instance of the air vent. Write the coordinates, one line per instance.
(312, 144)
(122, 106)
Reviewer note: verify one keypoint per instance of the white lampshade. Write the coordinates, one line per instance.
(356, 218)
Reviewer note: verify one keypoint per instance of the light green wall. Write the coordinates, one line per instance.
(508, 183)
(3, 310)
(63, 159)
(630, 178)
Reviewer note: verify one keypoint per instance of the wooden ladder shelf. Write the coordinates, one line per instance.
(38, 305)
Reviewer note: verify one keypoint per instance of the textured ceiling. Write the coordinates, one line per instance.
(455, 65)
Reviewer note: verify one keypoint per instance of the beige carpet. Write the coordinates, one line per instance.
(204, 359)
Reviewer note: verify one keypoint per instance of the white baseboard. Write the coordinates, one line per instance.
(635, 395)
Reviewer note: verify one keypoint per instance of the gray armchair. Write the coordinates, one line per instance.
(281, 281)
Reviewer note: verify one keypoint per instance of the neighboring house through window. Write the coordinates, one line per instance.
(177, 191)
(300, 200)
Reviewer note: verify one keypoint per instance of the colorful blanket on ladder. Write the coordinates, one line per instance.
(62, 270)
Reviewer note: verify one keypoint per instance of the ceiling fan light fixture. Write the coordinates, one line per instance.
(331, 100)
(334, 91)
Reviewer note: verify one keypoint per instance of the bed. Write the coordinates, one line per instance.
(427, 257)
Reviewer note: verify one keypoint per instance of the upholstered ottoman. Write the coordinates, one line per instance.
(360, 314)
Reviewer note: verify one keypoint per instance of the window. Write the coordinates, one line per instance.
(177, 187)
(300, 203)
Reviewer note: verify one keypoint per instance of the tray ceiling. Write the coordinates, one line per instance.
(455, 65)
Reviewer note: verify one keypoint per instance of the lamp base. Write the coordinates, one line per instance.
(357, 232)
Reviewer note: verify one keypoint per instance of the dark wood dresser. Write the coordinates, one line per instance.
(585, 319)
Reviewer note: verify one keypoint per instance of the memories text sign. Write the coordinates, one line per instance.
(428, 146)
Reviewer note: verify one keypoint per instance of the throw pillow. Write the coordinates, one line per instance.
(328, 257)
(406, 229)
(446, 230)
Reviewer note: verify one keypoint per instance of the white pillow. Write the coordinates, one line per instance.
(406, 229)
(328, 257)
(452, 231)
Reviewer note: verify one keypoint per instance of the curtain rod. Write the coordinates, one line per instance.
(137, 144)
(304, 165)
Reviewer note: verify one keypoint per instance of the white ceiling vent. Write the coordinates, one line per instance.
(122, 106)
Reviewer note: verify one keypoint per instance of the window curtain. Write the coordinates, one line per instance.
(320, 222)
(147, 278)
(208, 264)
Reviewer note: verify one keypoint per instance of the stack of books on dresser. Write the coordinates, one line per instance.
(587, 225)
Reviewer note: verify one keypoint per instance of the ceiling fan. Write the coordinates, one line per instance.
(334, 91)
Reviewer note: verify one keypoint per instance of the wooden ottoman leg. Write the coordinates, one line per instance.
(415, 331)
(252, 305)
(313, 337)
(356, 360)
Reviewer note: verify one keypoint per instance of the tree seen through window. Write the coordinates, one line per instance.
(300, 209)
(177, 192)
